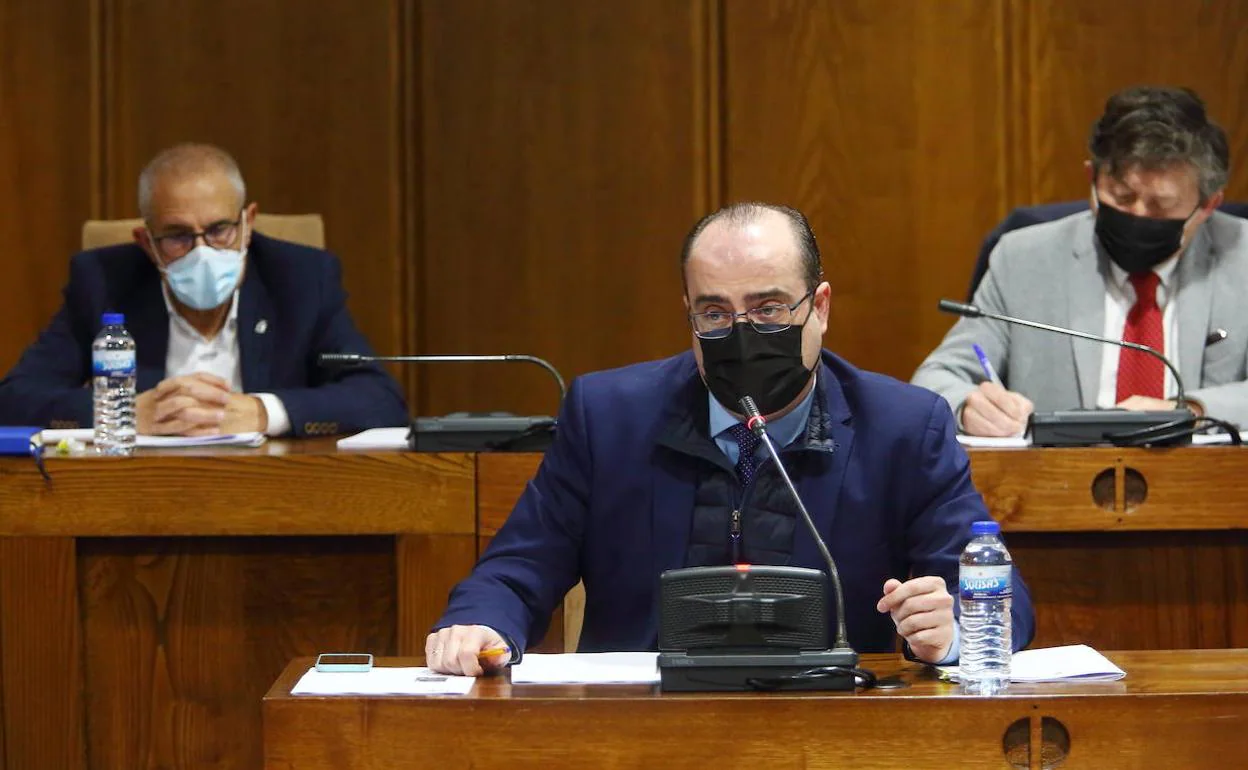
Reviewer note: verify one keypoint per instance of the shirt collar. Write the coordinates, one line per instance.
(784, 430)
(1164, 271)
(231, 318)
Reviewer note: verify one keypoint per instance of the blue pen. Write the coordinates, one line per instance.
(989, 372)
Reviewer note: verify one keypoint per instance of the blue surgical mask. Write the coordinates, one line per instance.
(206, 277)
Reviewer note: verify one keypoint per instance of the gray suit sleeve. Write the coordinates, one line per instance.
(952, 370)
(1225, 402)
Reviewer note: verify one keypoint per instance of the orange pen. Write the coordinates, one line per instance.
(494, 652)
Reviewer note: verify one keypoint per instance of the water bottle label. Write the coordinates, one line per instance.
(113, 363)
(985, 582)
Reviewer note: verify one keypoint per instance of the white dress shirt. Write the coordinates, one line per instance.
(190, 352)
(1119, 299)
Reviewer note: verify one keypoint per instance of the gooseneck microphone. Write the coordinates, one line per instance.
(968, 310)
(352, 359)
(758, 424)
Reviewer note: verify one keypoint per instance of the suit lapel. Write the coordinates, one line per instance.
(147, 320)
(1085, 292)
(1195, 298)
(826, 459)
(255, 331)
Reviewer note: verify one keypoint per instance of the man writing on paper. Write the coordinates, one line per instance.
(1153, 262)
(228, 323)
(651, 461)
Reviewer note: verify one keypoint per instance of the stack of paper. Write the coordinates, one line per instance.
(382, 681)
(588, 668)
(51, 437)
(1073, 663)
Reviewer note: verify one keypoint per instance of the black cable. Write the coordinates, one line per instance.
(36, 452)
(1171, 432)
(863, 678)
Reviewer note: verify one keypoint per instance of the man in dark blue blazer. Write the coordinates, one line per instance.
(228, 323)
(652, 470)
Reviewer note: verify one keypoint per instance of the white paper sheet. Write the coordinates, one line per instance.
(51, 437)
(1018, 442)
(587, 668)
(1072, 663)
(382, 681)
(376, 438)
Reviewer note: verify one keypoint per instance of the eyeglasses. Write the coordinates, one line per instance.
(218, 235)
(769, 318)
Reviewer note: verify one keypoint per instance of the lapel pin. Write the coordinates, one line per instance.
(262, 326)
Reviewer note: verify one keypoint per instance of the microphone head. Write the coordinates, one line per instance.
(749, 408)
(960, 308)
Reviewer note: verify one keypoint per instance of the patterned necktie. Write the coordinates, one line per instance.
(1140, 374)
(746, 443)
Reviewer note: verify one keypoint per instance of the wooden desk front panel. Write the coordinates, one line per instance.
(144, 603)
(1175, 709)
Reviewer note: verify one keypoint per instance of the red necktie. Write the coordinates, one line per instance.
(1140, 374)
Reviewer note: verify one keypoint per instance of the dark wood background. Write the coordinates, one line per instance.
(505, 176)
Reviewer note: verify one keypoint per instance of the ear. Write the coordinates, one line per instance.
(1091, 172)
(143, 239)
(823, 303)
(249, 216)
(1214, 201)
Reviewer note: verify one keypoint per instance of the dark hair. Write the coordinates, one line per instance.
(747, 212)
(1153, 127)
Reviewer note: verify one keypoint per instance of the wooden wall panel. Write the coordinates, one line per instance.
(47, 166)
(173, 626)
(1078, 53)
(882, 121)
(562, 165)
(305, 94)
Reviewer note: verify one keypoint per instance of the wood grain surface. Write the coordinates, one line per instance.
(240, 493)
(1174, 709)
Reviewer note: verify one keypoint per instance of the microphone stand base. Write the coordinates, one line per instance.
(747, 672)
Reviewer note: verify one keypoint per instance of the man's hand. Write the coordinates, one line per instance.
(192, 405)
(994, 411)
(922, 610)
(1146, 404)
(244, 414)
(457, 650)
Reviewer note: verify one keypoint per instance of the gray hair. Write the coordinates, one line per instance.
(1154, 127)
(188, 158)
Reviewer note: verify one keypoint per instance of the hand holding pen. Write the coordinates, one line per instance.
(991, 410)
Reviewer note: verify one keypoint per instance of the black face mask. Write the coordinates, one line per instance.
(1137, 244)
(766, 367)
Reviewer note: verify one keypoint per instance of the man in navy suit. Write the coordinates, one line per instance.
(652, 470)
(227, 323)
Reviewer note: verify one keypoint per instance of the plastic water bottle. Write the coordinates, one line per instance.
(985, 593)
(113, 368)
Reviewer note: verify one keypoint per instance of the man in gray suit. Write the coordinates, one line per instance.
(1152, 262)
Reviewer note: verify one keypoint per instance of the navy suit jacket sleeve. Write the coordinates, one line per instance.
(50, 383)
(937, 531)
(534, 558)
(354, 398)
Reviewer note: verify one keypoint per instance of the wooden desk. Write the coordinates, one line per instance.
(145, 603)
(1121, 548)
(1175, 709)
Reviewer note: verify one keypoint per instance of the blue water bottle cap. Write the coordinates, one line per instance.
(114, 319)
(985, 528)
